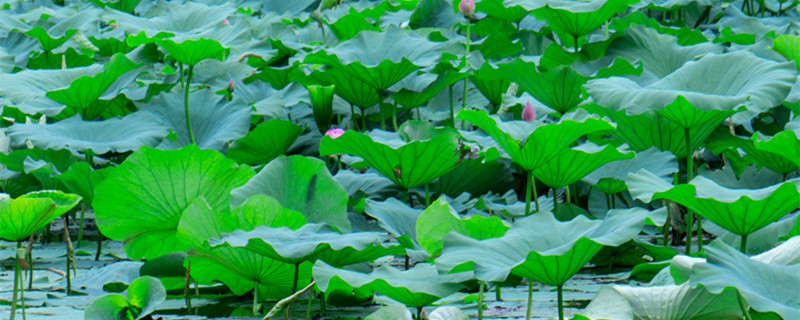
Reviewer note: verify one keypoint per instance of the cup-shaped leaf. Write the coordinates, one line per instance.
(238, 268)
(402, 165)
(540, 247)
(439, 219)
(82, 180)
(47, 41)
(21, 217)
(322, 104)
(741, 211)
(579, 18)
(610, 178)
(142, 201)
(560, 88)
(789, 46)
(573, 164)
(778, 153)
(417, 287)
(265, 142)
(355, 91)
(144, 296)
(302, 184)
(190, 52)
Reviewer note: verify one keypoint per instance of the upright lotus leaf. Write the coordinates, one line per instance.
(767, 287)
(417, 287)
(789, 46)
(190, 52)
(540, 247)
(145, 294)
(380, 59)
(659, 53)
(495, 176)
(302, 184)
(412, 99)
(215, 120)
(743, 79)
(21, 217)
(355, 91)
(610, 177)
(541, 145)
(27, 89)
(741, 211)
(439, 219)
(778, 153)
(440, 154)
(240, 269)
(48, 42)
(265, 142)
(687, 116)
(670, 302)
(84, 91)
(498, 9)
(177, 18)
(575, 19)
(82, 180)
(308, 243)
(397, 218)
(572, 164)
(116, 135)
(784, 143)
(142, 201)
(560, 88)
(490, 82)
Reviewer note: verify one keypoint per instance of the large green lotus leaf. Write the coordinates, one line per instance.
(784, 143)
(740, 211)
(265, 142)
(397, 218)
(307, 243)
(742, 79)
(179, 18)
(84, 91)
(142, 201)
(417, 287)
(391, 312)
(544, 142)
(659, 53)
(48, 42)
(440, 154)
(238, 268)
(21, 217)
(351, 89)
(191, 52)
(789, 46)
(767, 287)
(365, 185)
(775, 155)
(27, 89)
(215, 121)
(497, 9)
(560, 88)
(380, 59)
(475, 176)
(145, 294)
(116, 135)
(409, 98)
(610, 177)
(439, 219)
(573, 20)
(759, 241)
(490, 82)
(670, 302)
(573, 164)
(687, 116)
(540, 247)
(82, 180)
(650, 129)
(34, 169)
(302, 184)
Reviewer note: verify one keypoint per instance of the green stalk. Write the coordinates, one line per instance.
(294, 289)
(530, 300)
(419, 313)
(689, 177)
(186, 296)
(427, 196)
(353, 117)
(255, 299)
(16, 283)
(480, 300)
(555, 201)
(180, 78)
(466, 80)
(560, 302)
(577, 52)
(394, 117)
(498, 293)
(419, 114)
(452, 116)
(69, 252)
(80, 227)
(308, 307)
(743, 245)
(528, 187)
(363, 120)
(99, 246)
(380, 109)
(186, 103)
(742, 304)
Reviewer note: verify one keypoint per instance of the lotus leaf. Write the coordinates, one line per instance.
(560, 88)
(572, 164)
(397, 218)
(265, 142)
(143, 200)
(440, 154)
(240, 269)
(82, 180)
(610, 177)
(302, 184)
(177, 18)
(417, 287)
(191, 52)
(144, 296)
(21, 217)
(577, 19)
(439, 219)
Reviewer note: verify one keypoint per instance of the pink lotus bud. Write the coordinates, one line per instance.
(226, 22)
(230, 86)
(467, 8)
(334, 133)
(528, 114)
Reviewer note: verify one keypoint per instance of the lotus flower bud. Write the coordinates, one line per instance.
(528, 114)
(226, 22)
(467, 8)
(229, 87)
(334, 133)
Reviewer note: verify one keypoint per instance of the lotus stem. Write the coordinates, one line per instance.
(742, 304)
(80, 227)
(419, 114)
(29, 257)
(480, 300)
(427, 196)
(70, 251)
(560, 290)
(498, 292)
(743, 245)
(419, 313)
(186, 281)
(308, 307)
(466, 80)
(363, 120)
(394, 117)
(180, 78)
(530, 300)
(452, 116)
(99, 245)
(294, 289)
(322, 305)
(353, 117)
(555, 201)
(17, 273)
(186, 103)
(577, 52)
(528, 187)
(255, 298)
(689, 177)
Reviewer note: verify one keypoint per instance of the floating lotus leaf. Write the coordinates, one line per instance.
(21, 217)
(116, 135)
(743, 79)
(238, 268)
(572, 164)
(142, 201)
(144, 296)
(417, 287)
(740, 211)
(767, 287)
(440, 154)
(610, 177)
(439, 219)
(302, 184)
(543, 143)
(540, 247)
(177, 18)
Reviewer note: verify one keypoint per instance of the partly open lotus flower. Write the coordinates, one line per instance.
(467, 8)
(528, 114)
(335, 132)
